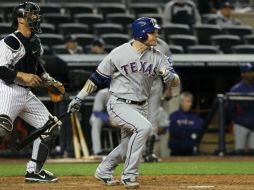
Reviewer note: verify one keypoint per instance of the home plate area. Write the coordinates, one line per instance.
(174, 182)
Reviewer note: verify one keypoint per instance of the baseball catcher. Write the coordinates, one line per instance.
(20, 71)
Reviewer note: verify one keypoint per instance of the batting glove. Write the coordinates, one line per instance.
(74, 105)
(167, 75)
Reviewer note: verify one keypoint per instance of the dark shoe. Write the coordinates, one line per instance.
(130, 183)
(43, 176)
(107, 181)
(151, 158)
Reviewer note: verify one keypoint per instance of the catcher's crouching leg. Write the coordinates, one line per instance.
(41, 149)
(46, 145)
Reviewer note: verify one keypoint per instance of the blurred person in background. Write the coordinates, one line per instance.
(209, 6)
(181, 12)
(71, 45)
(224, 16)
(97, 46)
(242, 112)
(159, 93)
(184, 128)
(99, 118)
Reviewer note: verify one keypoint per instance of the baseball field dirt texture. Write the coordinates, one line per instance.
(172, 173)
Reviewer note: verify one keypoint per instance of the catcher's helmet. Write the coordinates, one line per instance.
(142, 26)
(29, 11)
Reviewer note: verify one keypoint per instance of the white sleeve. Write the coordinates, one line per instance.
(167, 13)
(6, 55)
(197, 15)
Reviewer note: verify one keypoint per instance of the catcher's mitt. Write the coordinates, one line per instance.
(55, 88)
(56, 91)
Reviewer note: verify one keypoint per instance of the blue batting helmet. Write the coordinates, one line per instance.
(142, 26)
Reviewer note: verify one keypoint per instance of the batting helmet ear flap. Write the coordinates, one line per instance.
(143, 36)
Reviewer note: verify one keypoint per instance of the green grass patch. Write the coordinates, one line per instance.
(88, 169)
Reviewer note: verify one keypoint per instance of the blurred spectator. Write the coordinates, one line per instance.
(242, 112)
(99, 118)
(224, 16)
(181, 12)
(184, 128)
(209, 6)
(97, 46)
(71, 45)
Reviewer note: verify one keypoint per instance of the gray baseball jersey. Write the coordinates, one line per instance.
(132, 74)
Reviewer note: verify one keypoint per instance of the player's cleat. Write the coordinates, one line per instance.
(151, 158)
(107, 181)
(43, 176)
(130, 183)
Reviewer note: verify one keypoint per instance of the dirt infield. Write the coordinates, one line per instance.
(171, 182)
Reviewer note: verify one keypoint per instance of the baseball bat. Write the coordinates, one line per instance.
(38, 132)
(81, 138)
(76, 145)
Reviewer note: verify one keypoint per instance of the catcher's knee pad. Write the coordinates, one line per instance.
(6, 126)
(47, 143)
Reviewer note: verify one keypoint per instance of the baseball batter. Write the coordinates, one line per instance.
(132, 68)
(19, 71)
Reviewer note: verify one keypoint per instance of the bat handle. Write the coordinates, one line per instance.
(62, 116)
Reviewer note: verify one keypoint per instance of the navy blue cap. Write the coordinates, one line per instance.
(246, 67)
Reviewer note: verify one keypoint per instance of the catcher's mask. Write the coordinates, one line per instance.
(30, 12)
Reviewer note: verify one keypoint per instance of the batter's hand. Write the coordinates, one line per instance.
(28, 79)
(167, 75)
(74, 105)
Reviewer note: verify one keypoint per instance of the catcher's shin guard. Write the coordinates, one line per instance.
(47, 143)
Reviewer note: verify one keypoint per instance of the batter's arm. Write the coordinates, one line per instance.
(166, 70)
(95, 81)
(170, 78)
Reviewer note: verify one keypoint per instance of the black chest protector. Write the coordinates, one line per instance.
(29, 62)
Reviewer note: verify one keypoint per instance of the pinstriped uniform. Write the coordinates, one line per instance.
(19, 101)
